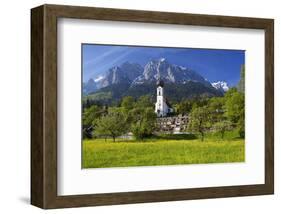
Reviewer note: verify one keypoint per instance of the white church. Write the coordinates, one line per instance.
(162, 106)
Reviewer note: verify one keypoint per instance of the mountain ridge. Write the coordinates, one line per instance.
(131, 79)
(135, 74)
(170, 73)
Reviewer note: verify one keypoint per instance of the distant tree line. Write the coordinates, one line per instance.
(136, 116)
(218, 114)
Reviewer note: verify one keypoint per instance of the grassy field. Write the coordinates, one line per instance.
(161, 151)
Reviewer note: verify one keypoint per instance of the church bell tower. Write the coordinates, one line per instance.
(160, 102)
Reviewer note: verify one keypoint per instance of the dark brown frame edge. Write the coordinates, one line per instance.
(44, 106)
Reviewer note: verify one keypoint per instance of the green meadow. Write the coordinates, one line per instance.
(162, 150)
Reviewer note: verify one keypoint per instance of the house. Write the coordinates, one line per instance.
(172, 125)
(162, 106)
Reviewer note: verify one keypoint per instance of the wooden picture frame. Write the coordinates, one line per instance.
(44, 106)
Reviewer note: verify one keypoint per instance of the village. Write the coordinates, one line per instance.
(172, 125)
(165, 123)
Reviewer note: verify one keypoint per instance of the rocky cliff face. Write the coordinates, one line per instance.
(169, 73)
(131, 79)
(89, 86)
(124, 74)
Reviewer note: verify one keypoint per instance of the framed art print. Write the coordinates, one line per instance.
(140, 106)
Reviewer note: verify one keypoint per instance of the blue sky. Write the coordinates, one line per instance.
(212, 64)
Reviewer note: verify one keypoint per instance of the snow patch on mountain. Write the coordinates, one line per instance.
(221, 85)
(99, 78)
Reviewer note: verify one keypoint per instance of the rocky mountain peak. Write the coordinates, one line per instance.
(170, 73)
(221, 86)
(133, 74)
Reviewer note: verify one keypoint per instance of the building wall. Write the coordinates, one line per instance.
(176, 124)
(161, 104)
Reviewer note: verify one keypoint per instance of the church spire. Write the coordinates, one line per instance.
(160, 83)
